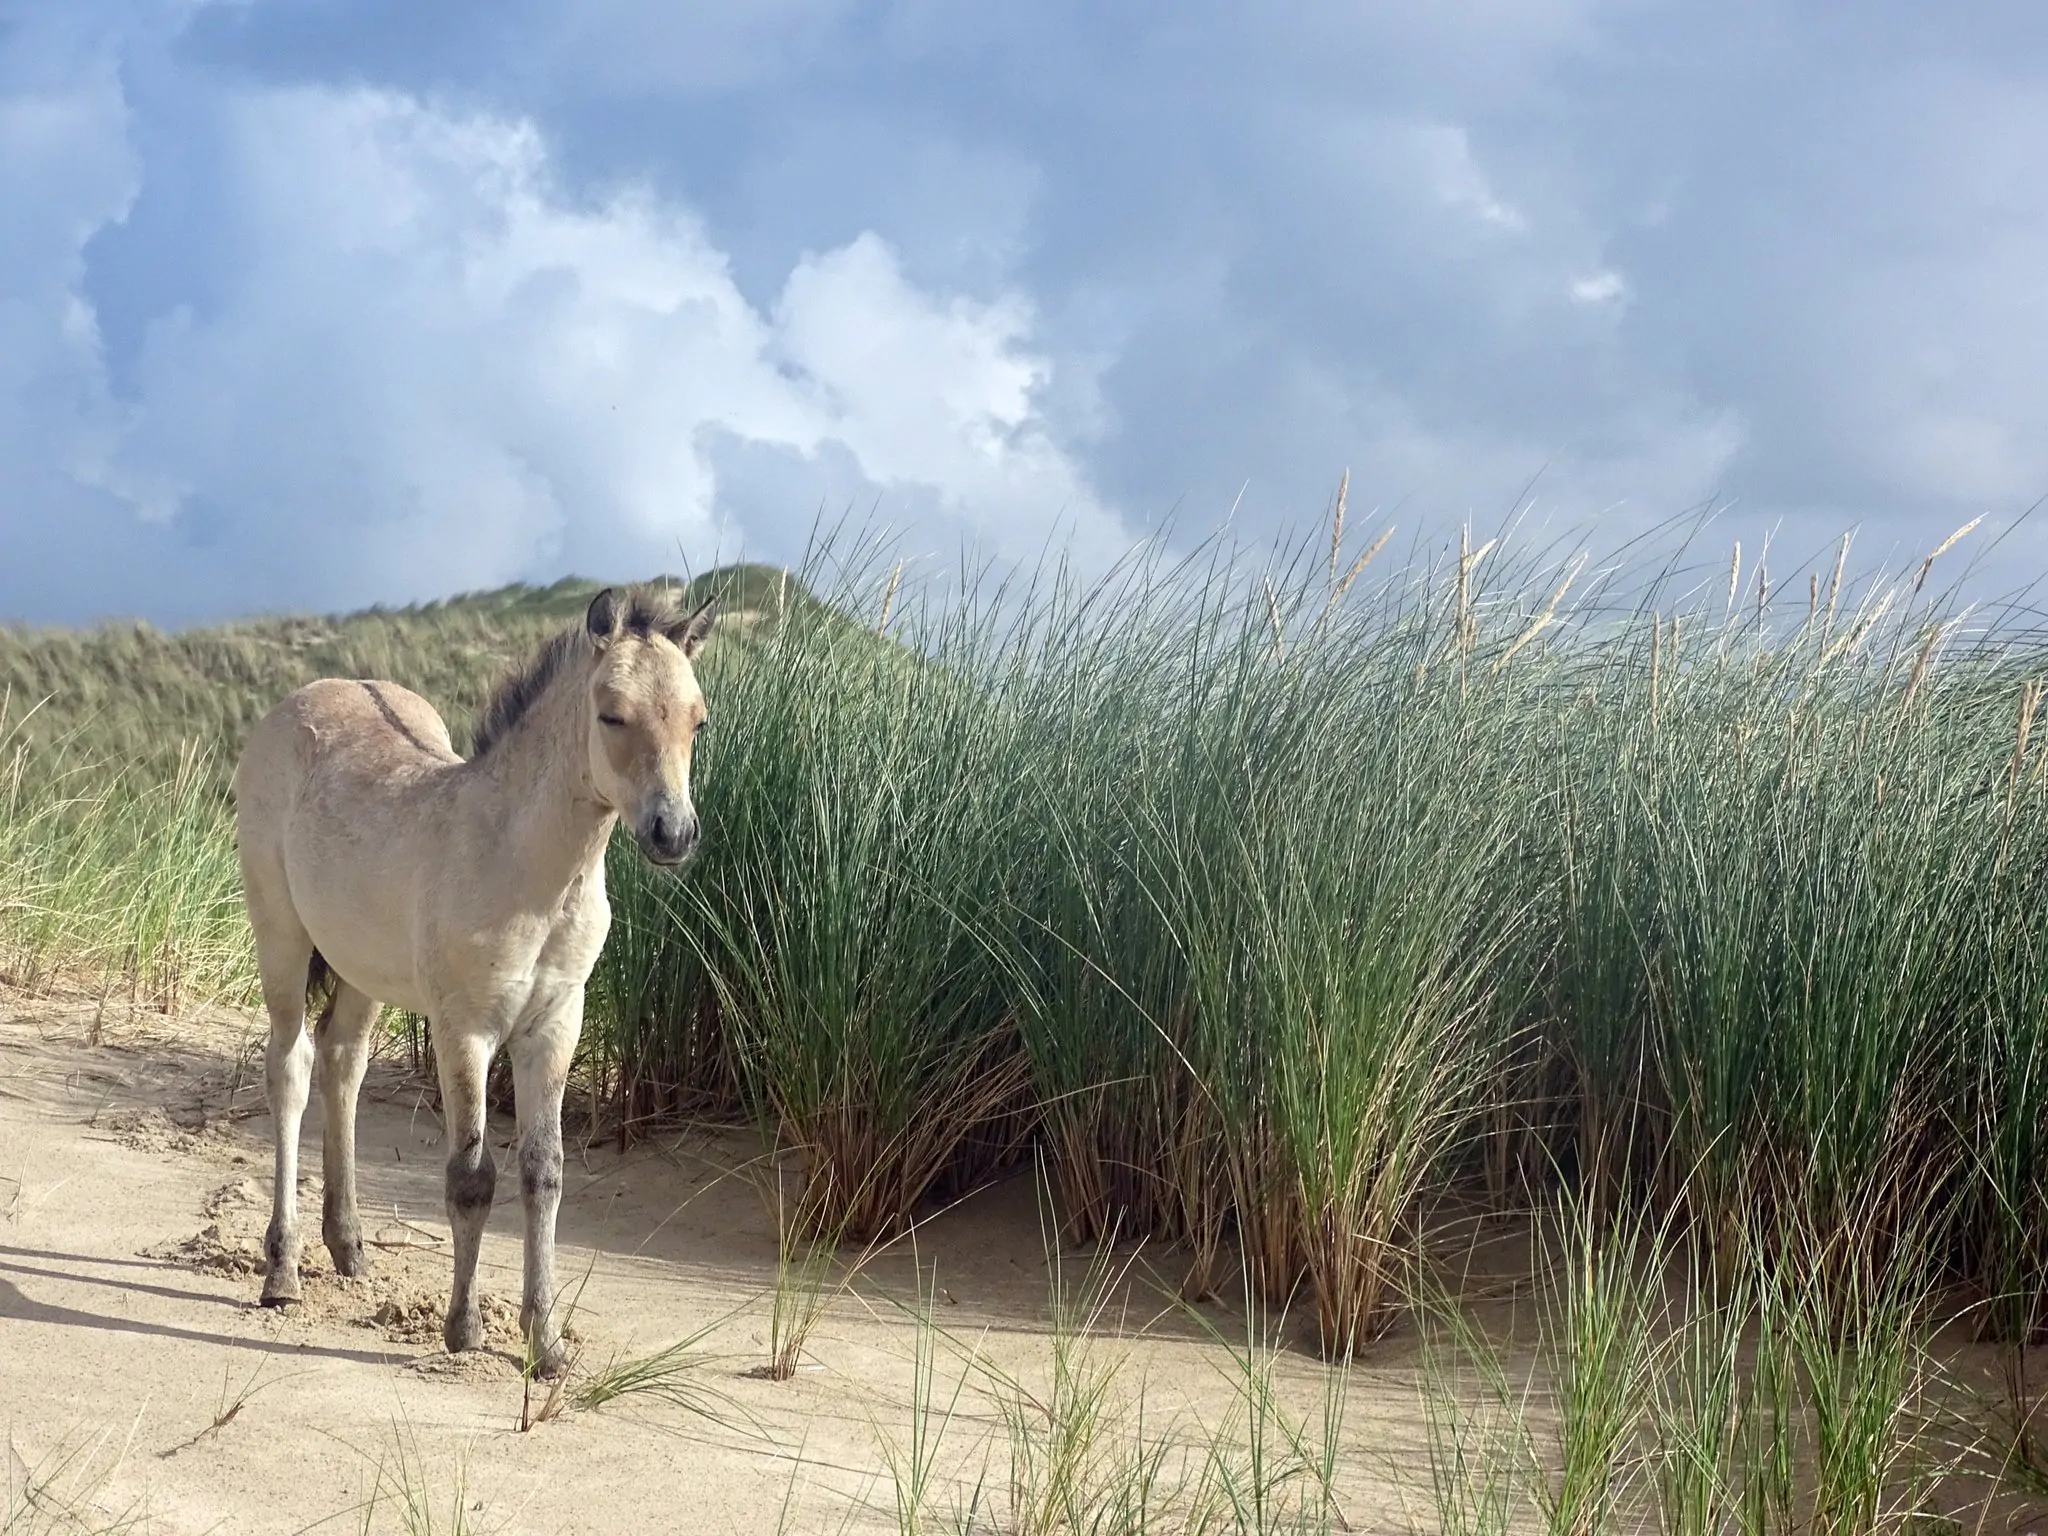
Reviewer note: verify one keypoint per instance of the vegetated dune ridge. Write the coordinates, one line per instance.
(131, 695)
(1287, 907)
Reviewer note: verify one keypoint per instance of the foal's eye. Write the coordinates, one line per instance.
(611, 720)
(699, 731)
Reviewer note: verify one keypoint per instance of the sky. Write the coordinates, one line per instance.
(308, 304)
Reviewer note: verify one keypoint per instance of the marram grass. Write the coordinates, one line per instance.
(1276, 898)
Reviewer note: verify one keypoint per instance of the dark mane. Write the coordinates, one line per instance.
(642, 610)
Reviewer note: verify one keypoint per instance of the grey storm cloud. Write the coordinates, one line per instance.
(320, 303)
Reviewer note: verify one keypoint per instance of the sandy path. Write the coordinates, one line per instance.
(134, 1179)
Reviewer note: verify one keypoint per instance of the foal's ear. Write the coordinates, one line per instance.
(691, 630)
(601, 619)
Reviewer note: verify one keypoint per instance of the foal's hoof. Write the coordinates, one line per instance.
(280, 1266)
(350, 1260)
(549, 1361)
(463, 1330)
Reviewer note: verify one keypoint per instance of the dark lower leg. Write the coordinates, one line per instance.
(540, 1065)
(540, 1189)
(471, 1183)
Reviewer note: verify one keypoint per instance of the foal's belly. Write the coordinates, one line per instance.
(372, 956)
(362, 913)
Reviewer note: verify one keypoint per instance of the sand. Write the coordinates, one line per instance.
(139, 1379)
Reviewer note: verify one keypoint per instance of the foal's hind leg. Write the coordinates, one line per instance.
(282, 954)
(342, 1039)
(463, 1060)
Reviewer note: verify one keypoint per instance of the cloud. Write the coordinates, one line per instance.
(1599, 288)
(692, 46)
(1458, 180)
(320, 300)
(939, 395)
(1249, 252)
(65, 170)
(434, 371)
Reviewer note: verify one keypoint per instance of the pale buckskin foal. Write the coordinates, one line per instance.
(377, 862)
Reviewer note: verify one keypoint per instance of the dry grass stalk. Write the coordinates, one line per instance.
(1835, 584)
(1468, 561)
(1358, 566)
(1920, 668)
(1273, 615)
(1656, 662)
(2030, 702)
(1464, 577)
(1544, 619)
(1863, 628)
(1734, 575)
(1941, 549)
(889, 598)
(1337, 523)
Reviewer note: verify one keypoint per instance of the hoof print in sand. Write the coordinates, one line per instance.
(416, 1319)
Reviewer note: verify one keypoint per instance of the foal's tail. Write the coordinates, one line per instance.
(321, 986)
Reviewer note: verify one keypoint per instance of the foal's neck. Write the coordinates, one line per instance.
(554, 827)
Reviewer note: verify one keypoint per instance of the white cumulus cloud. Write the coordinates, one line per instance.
(434, 371)
(1599, 288)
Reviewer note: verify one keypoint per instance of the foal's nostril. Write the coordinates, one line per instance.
(659, 832)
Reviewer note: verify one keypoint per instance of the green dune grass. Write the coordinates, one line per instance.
(1277, 900)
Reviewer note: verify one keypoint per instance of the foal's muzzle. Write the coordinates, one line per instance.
(667, 833)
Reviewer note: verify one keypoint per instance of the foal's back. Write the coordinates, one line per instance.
(336, 749)
(374, 732)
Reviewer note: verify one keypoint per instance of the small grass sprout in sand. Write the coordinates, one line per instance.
(408, 1496)
(232, 1401)
(1080, 1448)
(675, 1375)
(913, 1458)
(1064, 1454)
(810, 1273)
(64, 1491)
(1263, 1470)
(556, 1396)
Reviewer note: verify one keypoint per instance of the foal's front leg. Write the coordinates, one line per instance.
(463, 1056)
(540, 1069)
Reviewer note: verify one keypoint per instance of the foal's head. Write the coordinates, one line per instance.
(645, 712)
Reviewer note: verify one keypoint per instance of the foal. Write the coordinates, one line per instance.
(377, 862)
